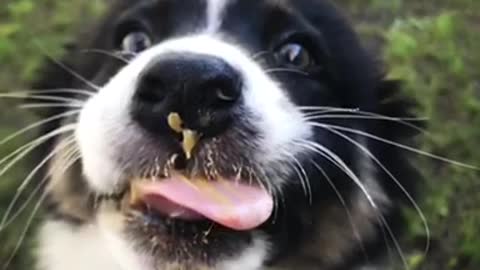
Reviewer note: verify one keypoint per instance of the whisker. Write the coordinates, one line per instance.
(275, 192)
(359, 112)
(66, 68)
(40, 97)
(49, 105)
(319, 109)
(26, 93)
(128, 54)
(373, 117)
(24, 150)
(362, 115)
(25, 231)
(399, 145)
(107, 53)
(260, 54)
(302, 174)
(37, 124)
(395, 242)
(323, 108)
(396, 181)
(344, 205)
(266, 185)
(287, 70)
(336, 160)
(28, 179)
(27, 228)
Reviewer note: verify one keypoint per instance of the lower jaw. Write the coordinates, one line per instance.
(184, 229)
(173, 240)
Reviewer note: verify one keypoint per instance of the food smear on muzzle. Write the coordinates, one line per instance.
(235, 205)
(190, 140)
(175, 122)
(190, 137)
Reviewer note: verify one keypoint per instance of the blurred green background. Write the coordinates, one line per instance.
(434, 46)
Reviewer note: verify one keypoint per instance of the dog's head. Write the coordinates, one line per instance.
(226, 134)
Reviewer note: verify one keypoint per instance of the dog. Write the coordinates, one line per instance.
(223, 135)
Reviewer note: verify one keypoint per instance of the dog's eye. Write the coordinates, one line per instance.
(295, 55)
(136, 42)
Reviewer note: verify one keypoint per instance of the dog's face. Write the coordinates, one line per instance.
(218, 138)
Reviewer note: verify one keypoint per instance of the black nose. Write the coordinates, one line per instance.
(203, 89)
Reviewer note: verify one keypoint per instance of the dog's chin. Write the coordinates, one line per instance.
(185, 241)
(170, 229)
(170, 240)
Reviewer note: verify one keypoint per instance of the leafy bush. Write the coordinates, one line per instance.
(433, 48)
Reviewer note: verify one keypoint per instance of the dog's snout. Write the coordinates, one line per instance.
(202, 89)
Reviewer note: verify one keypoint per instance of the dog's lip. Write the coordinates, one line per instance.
(231, 204)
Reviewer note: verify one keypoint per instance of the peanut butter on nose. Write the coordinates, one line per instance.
(190, 137)
(190, 140)
(175, 122)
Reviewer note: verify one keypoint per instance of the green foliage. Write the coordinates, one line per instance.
(35, 28)
(29, 31)
(438, 59)
(434, 50)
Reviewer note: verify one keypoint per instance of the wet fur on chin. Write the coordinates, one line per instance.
(327, 233)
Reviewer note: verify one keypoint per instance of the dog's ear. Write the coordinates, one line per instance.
(400, 128)
(393, 103)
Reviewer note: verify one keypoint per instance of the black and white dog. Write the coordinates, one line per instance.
(222, 135)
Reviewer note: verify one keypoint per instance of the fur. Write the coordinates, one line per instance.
(335, 211)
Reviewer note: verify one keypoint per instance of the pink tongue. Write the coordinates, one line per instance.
(236, 206)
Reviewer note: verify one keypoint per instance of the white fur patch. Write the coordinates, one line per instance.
(63, 246)
(368, 170)
(215, 11)
(100, 246)
(252, 258)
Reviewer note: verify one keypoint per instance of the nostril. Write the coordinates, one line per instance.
(151, 89)
(224, 91)
(226, 94)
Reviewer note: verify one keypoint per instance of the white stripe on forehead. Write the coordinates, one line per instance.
(215, 12)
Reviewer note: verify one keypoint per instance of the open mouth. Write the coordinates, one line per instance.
(184, 196)
(228, 202)
(232, 204)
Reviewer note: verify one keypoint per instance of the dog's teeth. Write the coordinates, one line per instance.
(175, 122)
(190, 140)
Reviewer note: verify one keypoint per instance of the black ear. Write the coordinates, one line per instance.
(395, 104)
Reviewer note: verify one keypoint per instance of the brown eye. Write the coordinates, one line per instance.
(295, 55)
(136, 42)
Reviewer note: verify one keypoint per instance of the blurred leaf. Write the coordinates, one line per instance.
(20, 8)
(8, 29)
